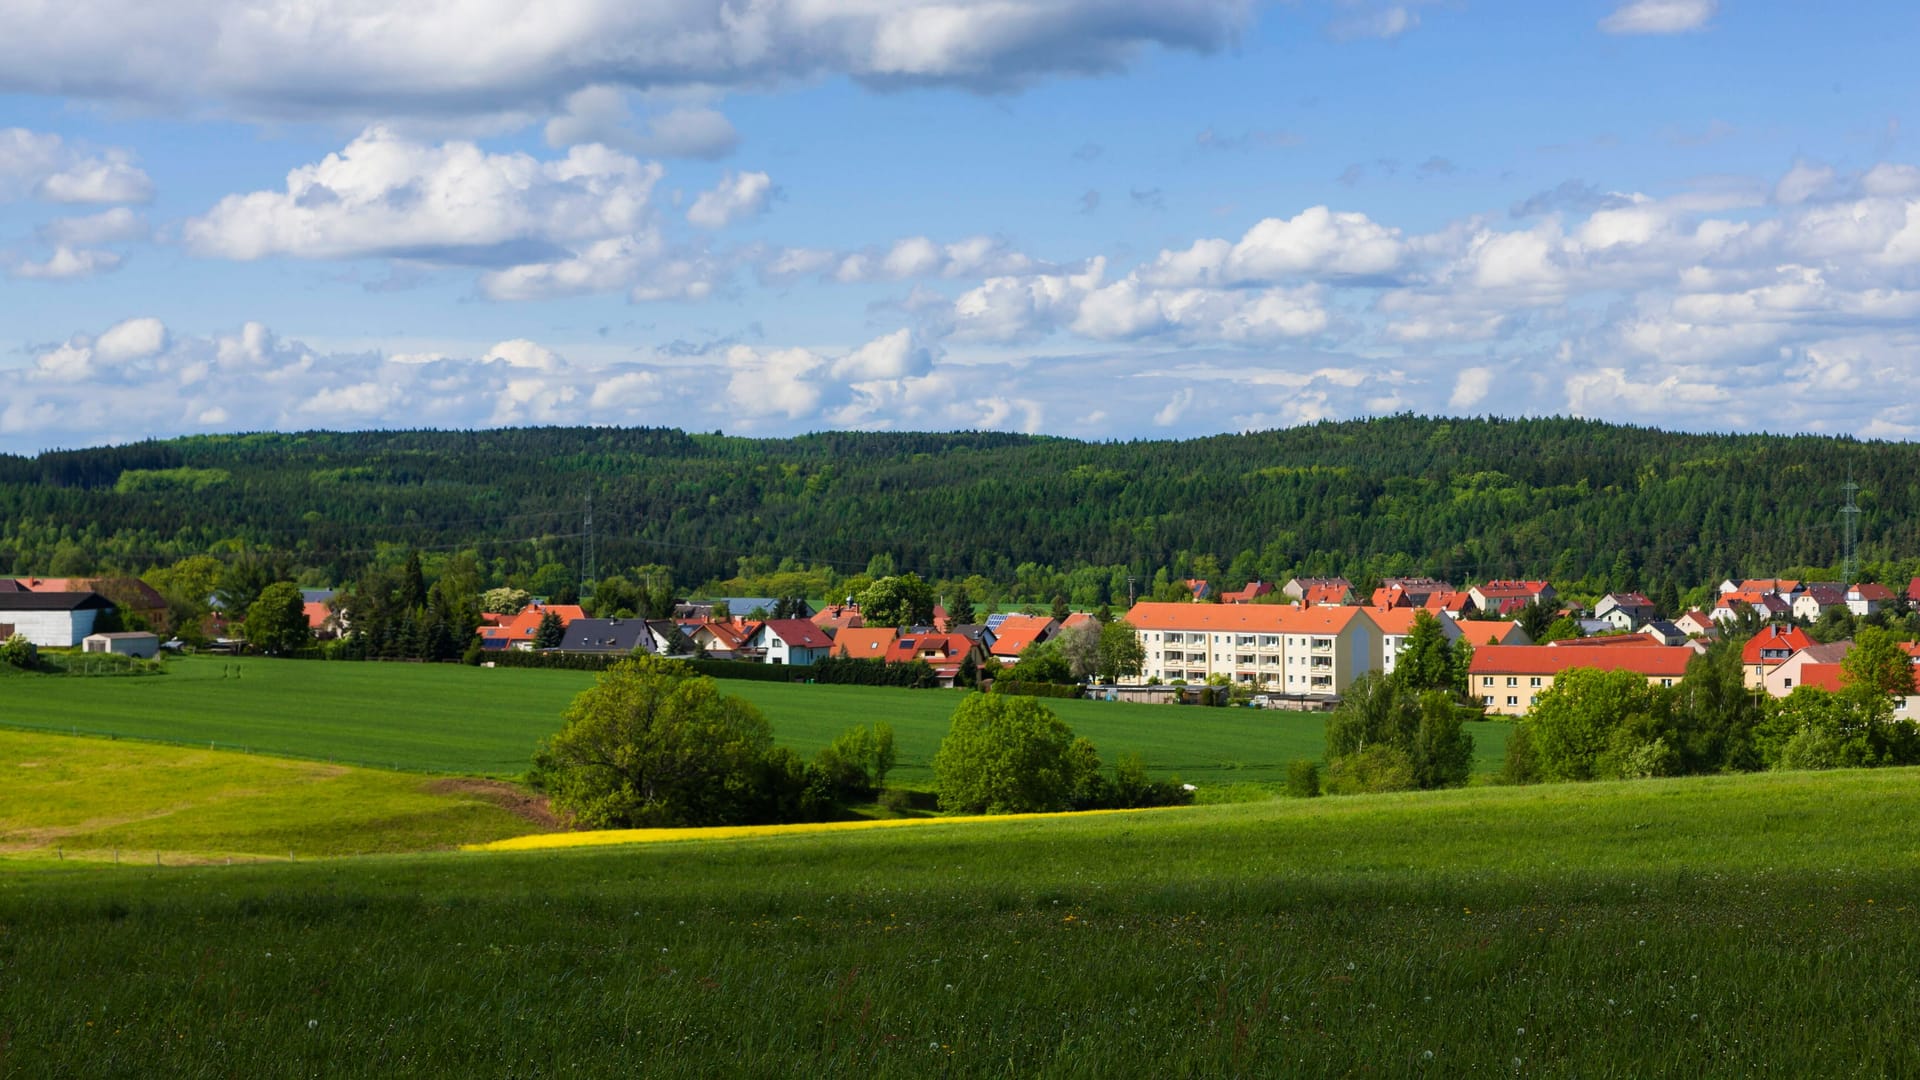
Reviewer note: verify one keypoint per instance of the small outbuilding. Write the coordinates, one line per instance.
(144, 646)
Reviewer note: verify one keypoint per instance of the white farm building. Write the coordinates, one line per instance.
(55, 620)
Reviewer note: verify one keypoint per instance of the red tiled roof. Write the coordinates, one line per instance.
(317, 615)
(1316, 595)
(1475, 632)
(1828, 677)
(1775, 637)
(1653, 661)
(837, 617)
(1869, 591)
(1016, 632)
(799, 633)
(1455, 602)
(1247, 595)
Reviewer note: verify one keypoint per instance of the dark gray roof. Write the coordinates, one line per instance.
(9, 585)
(55, 601)
(617, 635)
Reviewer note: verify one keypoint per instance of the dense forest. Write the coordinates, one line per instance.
(1464, 500)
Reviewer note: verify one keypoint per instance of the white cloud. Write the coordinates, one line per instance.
(735, 198)
(601, 114)
(1315, 241)
(892, 356)
(522, 353)
(355, 58)
(773, 382)
(46, 166)
(386, 195)
(66, 263)
(1471, 387)
(116, 226)
(1176, 407)
(1659, 16)
(134, 339)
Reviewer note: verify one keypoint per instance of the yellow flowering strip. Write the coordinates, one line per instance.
(746, 832)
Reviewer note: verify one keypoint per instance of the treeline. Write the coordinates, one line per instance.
(1018, 519)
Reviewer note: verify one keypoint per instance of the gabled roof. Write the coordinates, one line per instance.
(1326, 594)
(1627, 600)
(318, 614)
(1653, 661)
(608, 636)
(1476, 632)
(131, 590)
(798, 633)
(1016, 632)
(1079, 618)
(1774, 638)
(9, 585)
(1246, 595)
(865, 642)
(1455, 602)
(54, 601)
(1869, 591)
(945, 653)
(730, 637)
(1399, 621)
(1492, 589)
(837, 617)
(1828, 677)
(1245, 618)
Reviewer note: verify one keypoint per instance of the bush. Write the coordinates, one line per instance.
(1303, 779)
(857, 763)
(897, 801)
(1521, 765)
(719, 669)
(1008, 755)
(652, 744)
(1379, 767)
(18, 652)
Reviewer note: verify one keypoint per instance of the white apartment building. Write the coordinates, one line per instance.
(1275, 648)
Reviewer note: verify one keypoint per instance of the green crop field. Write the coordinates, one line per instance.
(101, 799)
(487, 721)
(1731, 926)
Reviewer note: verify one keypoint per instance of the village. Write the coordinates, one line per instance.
(1297, 645)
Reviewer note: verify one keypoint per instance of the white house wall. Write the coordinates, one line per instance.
(53, 629)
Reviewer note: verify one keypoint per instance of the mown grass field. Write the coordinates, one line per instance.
(1731, 926)
(454, 719)
(101, 799)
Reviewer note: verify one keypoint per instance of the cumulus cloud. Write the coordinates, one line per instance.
(469, 57)
(601, 114)
(734, 198)
(905, 259)
(65, 263)
(116, 226)
(47, 167)
(386, 195)
(1659, 16)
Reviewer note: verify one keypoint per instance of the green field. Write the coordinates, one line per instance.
(102, 799)
(1732, 926)
(481, 721)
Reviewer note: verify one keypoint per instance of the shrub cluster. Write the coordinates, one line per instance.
(719, 669)
(1013, 755)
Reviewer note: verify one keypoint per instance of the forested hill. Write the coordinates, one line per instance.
(1461, 499)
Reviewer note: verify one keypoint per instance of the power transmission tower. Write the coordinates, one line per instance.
(1851, 513)
(587, 573)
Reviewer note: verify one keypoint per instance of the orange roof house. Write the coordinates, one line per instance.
(864, 642)
(1509, 679)
(1478, 632)
(1016, 632)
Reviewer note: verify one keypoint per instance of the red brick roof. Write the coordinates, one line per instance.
(1652, 661)
(1828, 677)
(1475, 632)
(864, 642)
(1869, 591)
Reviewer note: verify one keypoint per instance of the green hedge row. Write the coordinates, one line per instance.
(719, 669)
(861, 671)
(1035, 689)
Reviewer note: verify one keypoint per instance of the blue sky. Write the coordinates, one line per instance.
(1099, 218)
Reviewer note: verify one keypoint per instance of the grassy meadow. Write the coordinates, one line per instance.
(486, 722)
(101, 799)
(1729, 926)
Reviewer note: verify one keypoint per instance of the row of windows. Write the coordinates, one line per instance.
(1264, 641)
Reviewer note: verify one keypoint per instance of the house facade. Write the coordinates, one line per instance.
(1397, 622)
(1312, 651)
(1509, 679)
(1768, 649)
(791, 641)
